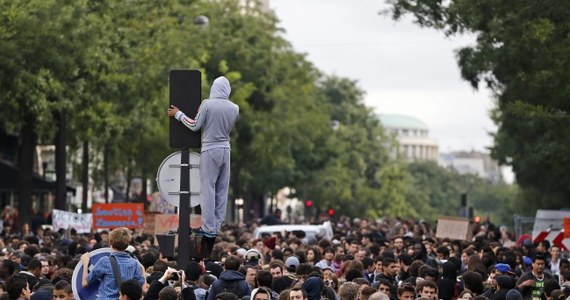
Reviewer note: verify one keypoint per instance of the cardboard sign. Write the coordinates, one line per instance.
(165, 223)
(453, 228)
(169, 222)
(129, 215)
(64, 219)
(566, 227)
(149, 218)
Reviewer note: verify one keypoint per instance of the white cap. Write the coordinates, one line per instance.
(241, 252)
(253, 254)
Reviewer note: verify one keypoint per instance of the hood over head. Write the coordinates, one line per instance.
(220, 88)
(313, 287)
(449, 270)
(514, 295)
(231, 275)
(505, 282)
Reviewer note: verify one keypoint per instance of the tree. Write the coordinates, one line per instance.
(356, 167)
(521, 54)
(436, 191)
(43, 46)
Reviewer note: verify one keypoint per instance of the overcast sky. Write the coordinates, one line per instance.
(403, 68)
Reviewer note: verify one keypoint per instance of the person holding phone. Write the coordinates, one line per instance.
(169, 278)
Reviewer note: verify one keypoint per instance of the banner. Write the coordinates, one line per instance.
(149, 218)
(64, 220)
(130, 215)
(165, 223)
(566, 227)
(453, 228)
(169, 222)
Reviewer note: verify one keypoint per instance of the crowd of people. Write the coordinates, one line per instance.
(390, 259)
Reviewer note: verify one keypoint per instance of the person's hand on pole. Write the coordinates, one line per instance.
(172, 111)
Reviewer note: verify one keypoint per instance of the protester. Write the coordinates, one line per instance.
(128, 267)
(286, 267)
(216, 117)
(531, 283)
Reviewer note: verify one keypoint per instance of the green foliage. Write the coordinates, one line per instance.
(106, 63)
(521, 54)
(352, 175)
(436, 191)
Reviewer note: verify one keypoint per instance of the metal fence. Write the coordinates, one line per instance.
(527, 224)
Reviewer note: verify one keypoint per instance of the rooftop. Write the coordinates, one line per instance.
(401, 121)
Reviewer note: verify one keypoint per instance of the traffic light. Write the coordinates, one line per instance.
(331, 212)
(308, 209)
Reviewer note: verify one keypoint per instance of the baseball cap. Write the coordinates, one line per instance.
(503, 268)
(527, 261)
(292, 262)
(241, 252)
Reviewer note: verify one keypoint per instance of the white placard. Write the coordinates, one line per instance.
(80, 222)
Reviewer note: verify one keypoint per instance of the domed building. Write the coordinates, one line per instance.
(412, 135)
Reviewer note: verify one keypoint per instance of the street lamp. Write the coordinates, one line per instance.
(335, 125)
(202, 20)
(239, 205)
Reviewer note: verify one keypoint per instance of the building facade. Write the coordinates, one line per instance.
(472, 162)
(412, 136)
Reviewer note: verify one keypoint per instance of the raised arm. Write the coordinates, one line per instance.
(85, 258)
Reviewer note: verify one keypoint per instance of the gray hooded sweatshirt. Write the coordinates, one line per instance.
(217, 116)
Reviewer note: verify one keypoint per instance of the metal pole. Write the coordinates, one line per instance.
(184, 211)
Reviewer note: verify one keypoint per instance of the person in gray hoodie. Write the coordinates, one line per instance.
(216, 117)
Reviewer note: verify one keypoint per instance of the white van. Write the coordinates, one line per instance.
(312, 231)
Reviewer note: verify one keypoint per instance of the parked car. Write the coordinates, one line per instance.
(312, 231)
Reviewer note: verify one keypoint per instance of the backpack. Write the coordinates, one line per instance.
(229, 287)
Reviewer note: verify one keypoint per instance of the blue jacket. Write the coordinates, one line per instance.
(230, 275)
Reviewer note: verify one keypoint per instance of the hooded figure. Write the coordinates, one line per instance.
(313, 287)
(505, 284)
(446, 285)
(514, 294)
(316, 289)
(216, 117)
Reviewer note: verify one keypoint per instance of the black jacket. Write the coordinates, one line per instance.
(157, 286)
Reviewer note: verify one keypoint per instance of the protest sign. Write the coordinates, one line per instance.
(453, 228)
(64, 220)
(129, 215)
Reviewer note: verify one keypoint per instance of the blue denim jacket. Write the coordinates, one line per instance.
(103, 272)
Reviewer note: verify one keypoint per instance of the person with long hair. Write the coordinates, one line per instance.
(313, 255)
(475, 264)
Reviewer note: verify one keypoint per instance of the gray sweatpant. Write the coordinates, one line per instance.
(215, 180)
